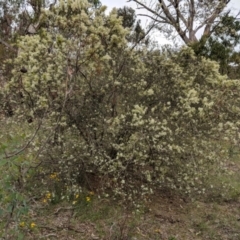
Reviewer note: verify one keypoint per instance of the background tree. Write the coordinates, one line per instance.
(220, 38)
(8, 18)
(17, 15)
(17, 18)
(223, 44)
(96, 3)
(129, 20)
(186, 18)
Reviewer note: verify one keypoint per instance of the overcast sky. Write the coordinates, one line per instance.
(234, 5)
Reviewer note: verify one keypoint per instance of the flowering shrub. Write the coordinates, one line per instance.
(112, 118)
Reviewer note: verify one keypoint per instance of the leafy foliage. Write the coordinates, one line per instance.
(222, 45)
(129, 20)
(96, 3)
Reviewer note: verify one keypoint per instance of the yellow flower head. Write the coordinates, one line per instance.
(88, 199)
(33, 225)
(91, 193)
(22, 224)
(54, 176)
(48, 195)
(77, 196)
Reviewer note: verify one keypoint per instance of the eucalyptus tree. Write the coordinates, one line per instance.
(223, 45)
(206, 26)
(185, 17)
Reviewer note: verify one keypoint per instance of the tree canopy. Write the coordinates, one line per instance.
(222, 46)
(186, 18)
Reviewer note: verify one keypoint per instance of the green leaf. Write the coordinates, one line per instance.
(3, 162)
(20, 236)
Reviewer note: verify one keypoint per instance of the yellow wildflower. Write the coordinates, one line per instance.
(22, 224)
(88, 199)
(77, 196)
(91, 193)
(33, 225)
(48, 195)
(53, 175)
(44, 200)
(74, 202)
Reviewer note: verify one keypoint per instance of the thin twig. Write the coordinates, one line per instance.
(25, 147)
(49, 235)
(8, 46)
